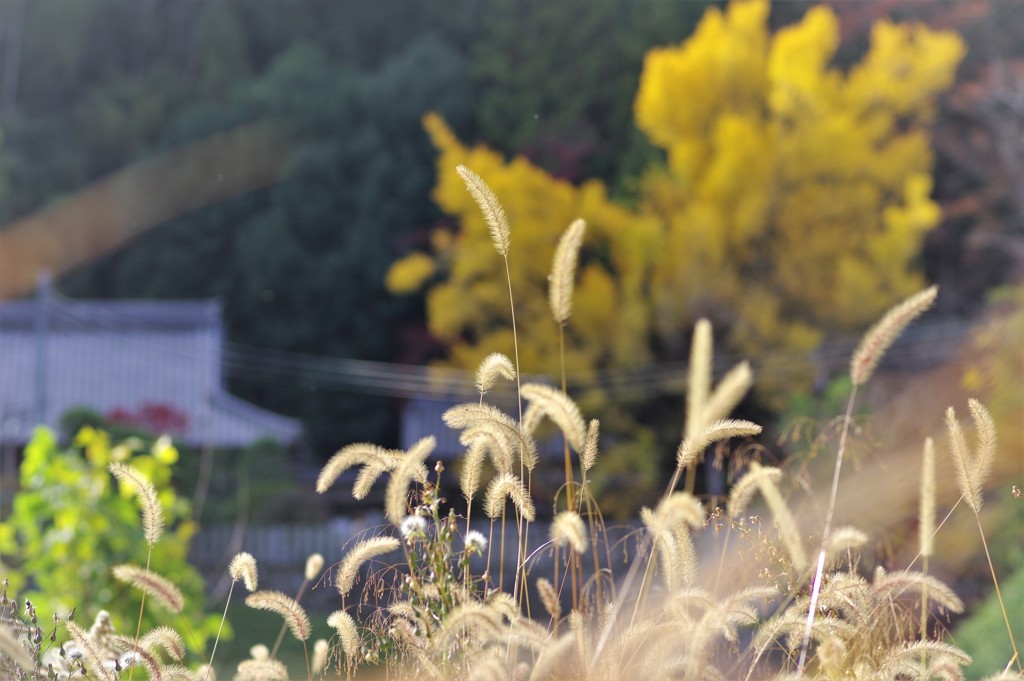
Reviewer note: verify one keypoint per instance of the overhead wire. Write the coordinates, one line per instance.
(390, 379)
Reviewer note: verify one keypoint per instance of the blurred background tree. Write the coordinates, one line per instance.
(791, 204)
(795, 196)
(300, 266)
(554, 83)
(72, 522)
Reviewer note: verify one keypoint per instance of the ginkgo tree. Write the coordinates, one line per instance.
(795, 196)
(791, 204)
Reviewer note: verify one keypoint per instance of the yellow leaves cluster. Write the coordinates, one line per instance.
(799, 193)
(472, 302)
(793, 200)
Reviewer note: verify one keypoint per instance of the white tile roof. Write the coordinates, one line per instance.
(125, 356)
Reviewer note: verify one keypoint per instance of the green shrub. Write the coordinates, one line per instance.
(71, 523)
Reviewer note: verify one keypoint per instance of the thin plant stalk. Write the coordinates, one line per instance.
(830, 511)
(999, 595)
(691, 478)
(924, 618)
(593, 536)
(519, 403)
(641, 596)
(570, 501)
(223, 617)
(142, 608)
(501, 556)
(721, 557)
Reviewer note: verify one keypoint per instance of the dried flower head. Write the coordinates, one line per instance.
(563, 271)
(162, 590)
(690, 449)
(343, 623)
(285, 606)
(320, 650)
(880, 336)
(243, 567)
(588, 457)
(314, 564)
(472, 466)
(409, 468)
(494, 214)
(152, 509)
(494, 366)
(363, 551)
(261, 670)
(508, 486)
(972, 467)
(558, 407)
(568, 528)
(413, 527)
(475, 541)
(549, 597)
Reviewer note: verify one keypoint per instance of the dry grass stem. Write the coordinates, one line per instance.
(343, 623)
(699, 385)
(357, 454)
(152, 509)
(470, 415)
(12, 648)
(926, 512)
(494, 214)
(284, 605)
(691, 448)
(549, 597)
(410, 468)
(588, 457)
(557, 406)
(472, 467)
(729, 392)
(508, 486)
(972, 467)
(165, 639)
(563, 272)
(879, 337)
(362, 552)
(162, 589)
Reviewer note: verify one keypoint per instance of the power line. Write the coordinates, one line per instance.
(280, 367)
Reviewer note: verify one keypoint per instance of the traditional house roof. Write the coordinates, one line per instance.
(151, 363)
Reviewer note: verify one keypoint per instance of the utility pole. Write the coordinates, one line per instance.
(43, 293)
(13, 39)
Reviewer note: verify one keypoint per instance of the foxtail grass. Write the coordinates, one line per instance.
(865, 359)
(972, 466)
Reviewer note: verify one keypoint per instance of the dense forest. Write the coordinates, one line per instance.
(91, 87)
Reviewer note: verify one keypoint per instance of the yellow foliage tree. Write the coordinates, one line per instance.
(792, 203)
(469, 309)
(795, 196)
